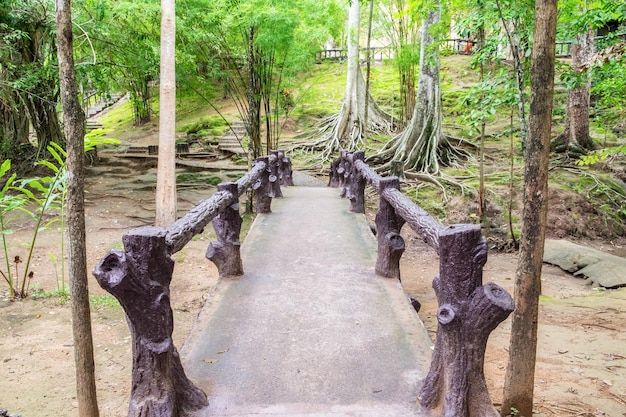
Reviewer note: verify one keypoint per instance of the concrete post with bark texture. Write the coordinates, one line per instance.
(468, 312)
(275, 191)
(355, 184)
(262, 188)
(225, 252)
(388, 226)
(338, 171)
(139, 277)
(284, 169)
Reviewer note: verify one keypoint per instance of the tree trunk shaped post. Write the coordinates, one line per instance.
(468, 312)
(275, 191)
(139, 278)
(342, 171)
(356, 187)
(334, 179)
(284, 168)
(388, 225)
(345, 172)
(225, 252)
(262, 188)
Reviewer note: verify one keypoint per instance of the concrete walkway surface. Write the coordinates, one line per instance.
(310, 329)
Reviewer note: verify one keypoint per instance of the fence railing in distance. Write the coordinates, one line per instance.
(468, 310)
(139, 278)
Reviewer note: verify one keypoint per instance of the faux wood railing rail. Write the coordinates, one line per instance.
(468, 310)
(140, 275)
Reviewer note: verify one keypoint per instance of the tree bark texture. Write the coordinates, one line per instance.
(253, 119)
(139, 278)
(275, 174)
(284, 169)
(468, 312)
(576, 131)
(263, 188)
(520, 374)
(388, 225)
(338, 169)
(355, 183)
(166, 170)
(74, 118)
(225, 253)
(422, 146)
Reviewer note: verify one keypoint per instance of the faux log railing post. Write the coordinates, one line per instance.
(275, 192)
(388, 226)
(355, 185)
(139, 278)
(334, 179)
(285, 169)
(262, 189)
(468, 312)
(225, 253)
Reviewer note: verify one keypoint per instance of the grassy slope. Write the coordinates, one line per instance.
(595, 205)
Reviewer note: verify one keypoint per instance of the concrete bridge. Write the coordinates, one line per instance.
(309, 317)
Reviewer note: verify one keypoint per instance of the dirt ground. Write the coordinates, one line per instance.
(581, 355)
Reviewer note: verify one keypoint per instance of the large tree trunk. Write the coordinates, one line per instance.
(45, 120)
(14, 130)
(73, 119)
(166, 170)
(576, 132)
(345, 130)
(520, 374)
(422, 146)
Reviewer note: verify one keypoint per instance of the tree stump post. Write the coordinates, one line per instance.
(275, 191)
(225, 252)
(334, 179)
(262, 188)
(397, 170)
(468, 312)
(345, 171)
(284, 168)
(355, 187)
(388, 226)
(139, 278)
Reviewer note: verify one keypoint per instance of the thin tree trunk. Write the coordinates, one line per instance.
(368, 68)
(520, 374)
(166, 169)
(254, 99)
(74, 118)
(516, 52)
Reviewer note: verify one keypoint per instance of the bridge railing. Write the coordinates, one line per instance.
(468, 310)
(139, 278)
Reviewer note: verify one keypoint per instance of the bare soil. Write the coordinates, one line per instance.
(581, 357)
(581, 364)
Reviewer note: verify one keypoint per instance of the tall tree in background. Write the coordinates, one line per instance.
(260, 48)
(346, 129)
(422, 146)
(576, 131)
(520, 373)
(516, 18)
(28, 79)
(166, 169)
(74, 126)
(404, 35)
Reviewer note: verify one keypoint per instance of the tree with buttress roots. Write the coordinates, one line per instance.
(346, 130)
(422, 147)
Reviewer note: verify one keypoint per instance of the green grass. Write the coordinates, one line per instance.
(105, 300)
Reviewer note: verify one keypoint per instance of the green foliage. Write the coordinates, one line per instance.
(104, 300)
(601, 155)
(484, 98)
